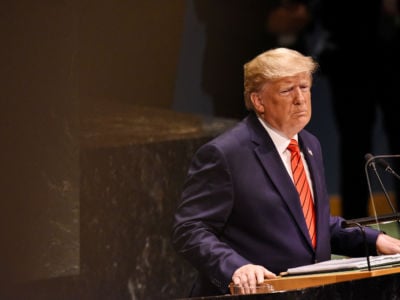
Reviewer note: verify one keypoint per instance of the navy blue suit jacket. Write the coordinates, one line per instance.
(239, 206)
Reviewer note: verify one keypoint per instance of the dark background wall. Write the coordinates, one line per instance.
(39, 137)
(60, 60)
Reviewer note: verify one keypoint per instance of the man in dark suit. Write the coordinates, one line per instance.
(240, 219)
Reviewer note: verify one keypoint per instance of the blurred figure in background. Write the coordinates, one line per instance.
(361, 60)
(236, 31)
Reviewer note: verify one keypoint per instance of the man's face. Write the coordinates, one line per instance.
(285, 103)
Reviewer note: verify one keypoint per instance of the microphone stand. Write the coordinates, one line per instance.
(361, 222)
(385, 165)
(395, 216)
(370, 162)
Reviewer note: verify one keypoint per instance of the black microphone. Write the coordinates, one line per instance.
(383, 163)
(371, 162)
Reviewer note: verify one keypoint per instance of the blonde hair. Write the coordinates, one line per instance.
(274, 64)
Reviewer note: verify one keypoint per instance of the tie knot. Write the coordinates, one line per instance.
(293, 146)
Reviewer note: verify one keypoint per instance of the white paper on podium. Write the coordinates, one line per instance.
(345, 264)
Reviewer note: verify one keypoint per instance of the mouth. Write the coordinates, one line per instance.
(301, 113)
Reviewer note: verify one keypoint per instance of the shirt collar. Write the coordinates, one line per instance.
(280, 141)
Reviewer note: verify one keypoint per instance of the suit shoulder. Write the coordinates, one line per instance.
(232, 139)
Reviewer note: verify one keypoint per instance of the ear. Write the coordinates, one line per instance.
(257, 102)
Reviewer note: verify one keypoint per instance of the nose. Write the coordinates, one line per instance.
(299, 97)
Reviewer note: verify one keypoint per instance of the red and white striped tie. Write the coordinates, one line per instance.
(302, 186)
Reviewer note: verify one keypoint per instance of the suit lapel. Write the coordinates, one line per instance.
(274, 167)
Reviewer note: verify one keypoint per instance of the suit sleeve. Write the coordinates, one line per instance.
(350, 241)
(206, 204)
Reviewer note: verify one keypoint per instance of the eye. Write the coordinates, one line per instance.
(286, 91)
(305, 87)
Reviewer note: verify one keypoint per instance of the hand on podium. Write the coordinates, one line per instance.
(386, 244)
(249, 276)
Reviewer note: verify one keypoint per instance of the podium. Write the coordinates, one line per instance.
(382, 284)
(282, 284)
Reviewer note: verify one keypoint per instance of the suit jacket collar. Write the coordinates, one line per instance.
(274, 167)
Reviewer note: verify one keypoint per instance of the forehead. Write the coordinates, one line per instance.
(300, 77)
